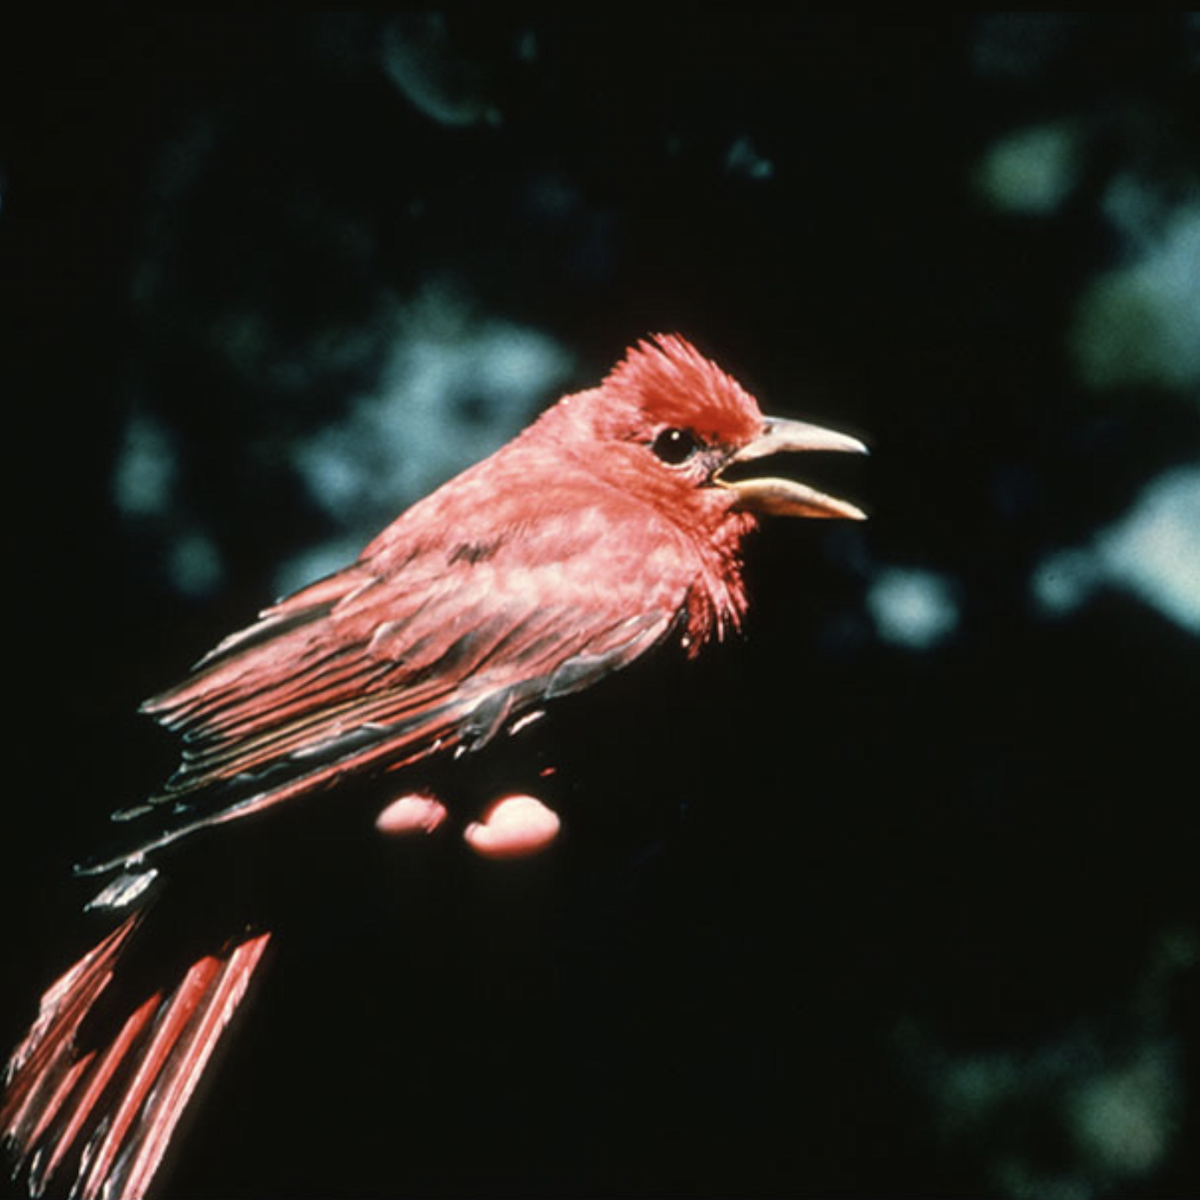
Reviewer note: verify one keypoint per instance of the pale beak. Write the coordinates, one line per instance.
(788, 497)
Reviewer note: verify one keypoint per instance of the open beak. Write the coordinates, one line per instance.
(788, 497)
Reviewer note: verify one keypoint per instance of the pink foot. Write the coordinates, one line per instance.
(411, 814)
(514, 827)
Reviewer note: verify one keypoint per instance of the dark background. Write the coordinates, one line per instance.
(899, 893)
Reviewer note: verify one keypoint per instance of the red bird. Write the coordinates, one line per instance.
(612, 526)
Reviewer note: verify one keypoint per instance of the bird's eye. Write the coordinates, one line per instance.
(674, 446)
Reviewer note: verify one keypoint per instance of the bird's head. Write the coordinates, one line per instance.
(670, 426)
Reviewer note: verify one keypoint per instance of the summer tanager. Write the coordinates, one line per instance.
(610, 528)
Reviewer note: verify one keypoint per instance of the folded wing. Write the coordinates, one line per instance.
(372, 669)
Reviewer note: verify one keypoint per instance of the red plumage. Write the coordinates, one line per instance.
(610, 525)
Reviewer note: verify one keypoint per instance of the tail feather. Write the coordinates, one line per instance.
(206, 1001)
(102, 1107)
(45, 1156)
(35, 1070)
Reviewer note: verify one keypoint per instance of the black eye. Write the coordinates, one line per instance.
(674, 446)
